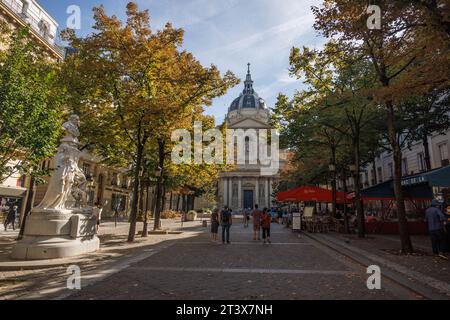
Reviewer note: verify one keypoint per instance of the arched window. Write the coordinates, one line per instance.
(25, 7)
(247, 144)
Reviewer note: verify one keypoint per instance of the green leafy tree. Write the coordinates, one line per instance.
(30, 107)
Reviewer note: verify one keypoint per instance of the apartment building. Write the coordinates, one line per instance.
(413, 160)
(43, 27)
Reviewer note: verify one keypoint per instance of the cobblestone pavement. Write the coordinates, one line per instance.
(115, 252)
(293, 267)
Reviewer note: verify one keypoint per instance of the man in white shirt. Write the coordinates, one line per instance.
(97, 211)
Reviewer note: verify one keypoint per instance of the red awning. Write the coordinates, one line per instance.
(309, 193)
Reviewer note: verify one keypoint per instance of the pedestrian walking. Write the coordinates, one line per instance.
(215, 224)
(266, 221)
(279, 216)
(447, 229)
(11, 218)
(247, 212)
(226, 220)
(256, 223)
(97, 211)
(436, 223)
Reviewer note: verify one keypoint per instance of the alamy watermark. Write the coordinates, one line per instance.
(238, 147)
(74, 279)
(374, 20)
(74, 19)
(374, 280)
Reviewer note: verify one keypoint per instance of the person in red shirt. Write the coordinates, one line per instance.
(257, 214)
(266, 221)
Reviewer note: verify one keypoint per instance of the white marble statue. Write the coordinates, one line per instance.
(67, 187)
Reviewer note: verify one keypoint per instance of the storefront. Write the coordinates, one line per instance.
(12, 197)
(435, 182)
(418, 191)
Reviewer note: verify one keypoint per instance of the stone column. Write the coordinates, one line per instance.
(240, 191)
(270, 190)
(268, 193)
(257, 193)
(225, 191)
(230, 192)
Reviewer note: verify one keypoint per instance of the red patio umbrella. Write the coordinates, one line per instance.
(310, 193)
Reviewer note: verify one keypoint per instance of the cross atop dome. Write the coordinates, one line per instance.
(249, 82)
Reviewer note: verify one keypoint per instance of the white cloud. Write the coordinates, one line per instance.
(283, 32)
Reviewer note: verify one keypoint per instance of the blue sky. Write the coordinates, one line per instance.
(227, 33)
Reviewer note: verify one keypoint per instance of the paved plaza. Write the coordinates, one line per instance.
(187, 265)
(292, 267)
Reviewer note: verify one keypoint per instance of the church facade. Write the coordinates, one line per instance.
(246, 186)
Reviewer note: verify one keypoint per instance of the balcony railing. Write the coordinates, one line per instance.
(36, 25)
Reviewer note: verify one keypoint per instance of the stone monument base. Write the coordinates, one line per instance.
(37, 248)
(54, 234)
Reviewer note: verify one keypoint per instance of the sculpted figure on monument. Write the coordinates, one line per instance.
(68, 181)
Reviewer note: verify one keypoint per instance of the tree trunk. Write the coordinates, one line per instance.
(28, 207)
(357, 178)
(405, 239)
(334, 181)
(184, 204)
(178, 202)
(141, 199)
(426, 148)
(164, 199)
(344, 184)
(134, 202)
(170, 201)
(159, 187)
(145, 228)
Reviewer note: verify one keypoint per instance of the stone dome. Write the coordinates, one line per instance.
(248, 99)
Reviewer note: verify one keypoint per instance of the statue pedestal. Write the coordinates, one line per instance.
(53, 234)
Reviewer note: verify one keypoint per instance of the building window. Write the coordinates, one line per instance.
(87, 169)
(115, 179)
(380, 175)
(405, 166)
(45, 165)
(247, 145)
(44, 29)
(391, 170)
(118, 202)
(90, 197)
(421, 161)
(25, 7)
(443, 154)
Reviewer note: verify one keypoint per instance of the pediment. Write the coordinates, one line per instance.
(249, 123)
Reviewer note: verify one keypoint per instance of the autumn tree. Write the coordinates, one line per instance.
(407, 54)
(138, 85)
(337, 111)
